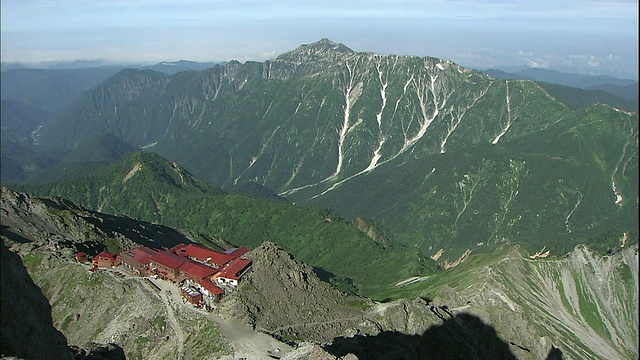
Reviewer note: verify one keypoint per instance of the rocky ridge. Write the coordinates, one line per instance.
(62, 226)
(501, 305)
(26, 315)
(27, 328)
(285, 298)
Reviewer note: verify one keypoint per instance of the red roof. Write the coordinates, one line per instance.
(81, 254)
(140, 254)
(168, 259)
(145, 250)
(177, 248)
(233, 270)
(203, 254)
(107, 255)
(239, 251)
(142, 258)
(197, 270)
(211, 287)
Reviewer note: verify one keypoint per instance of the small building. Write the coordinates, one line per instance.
(105, 260)
(191, 295)
(82, 257)
(231, 273)
(138, 259)
(210, 291)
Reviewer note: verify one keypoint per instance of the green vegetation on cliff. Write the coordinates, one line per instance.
(147, 187)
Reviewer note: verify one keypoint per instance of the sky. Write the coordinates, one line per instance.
(587, 36)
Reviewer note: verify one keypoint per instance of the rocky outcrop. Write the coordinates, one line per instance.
(284, 297)
(27, 328)
(107, 316)
(58, 225)
(95, 351)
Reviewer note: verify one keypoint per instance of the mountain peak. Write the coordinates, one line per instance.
(325, 45)
(322, 49)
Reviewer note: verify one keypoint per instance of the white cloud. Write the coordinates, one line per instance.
(472, 32)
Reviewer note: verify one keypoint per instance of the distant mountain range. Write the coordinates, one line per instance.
(476, 160)
(603, 89)
(55, 88)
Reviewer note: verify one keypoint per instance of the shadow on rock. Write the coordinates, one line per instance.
(463, 336)
(554, 354)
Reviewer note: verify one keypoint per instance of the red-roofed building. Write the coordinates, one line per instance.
(166, 265)
(204, 255)
(105, 260)
(138, 259)
(195, 272)
(192, 295)
(82, 257)
(177, 248)
(210, 290)
(231, 273)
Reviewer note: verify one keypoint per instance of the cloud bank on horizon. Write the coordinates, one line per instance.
(592, 36)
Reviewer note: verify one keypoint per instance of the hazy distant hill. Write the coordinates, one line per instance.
(20, 121)
(622, 93)
(172, 67)
(627, 92)
(51, 90)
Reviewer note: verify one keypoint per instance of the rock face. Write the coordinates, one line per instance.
(58, 225)
(285, 298)
(27, 328)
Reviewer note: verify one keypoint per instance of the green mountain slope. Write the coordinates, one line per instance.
(562, 186)
(583, 303)
(442, 156)
(145, 186)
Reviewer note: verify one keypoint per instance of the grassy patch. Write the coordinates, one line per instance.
(32, 260)
(589, 311)
(159, 321)
(65, 323)
(357, 304)
(563, 297)
(625, 273)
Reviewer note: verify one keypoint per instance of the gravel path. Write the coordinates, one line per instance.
(174, 324)
(247, 343)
